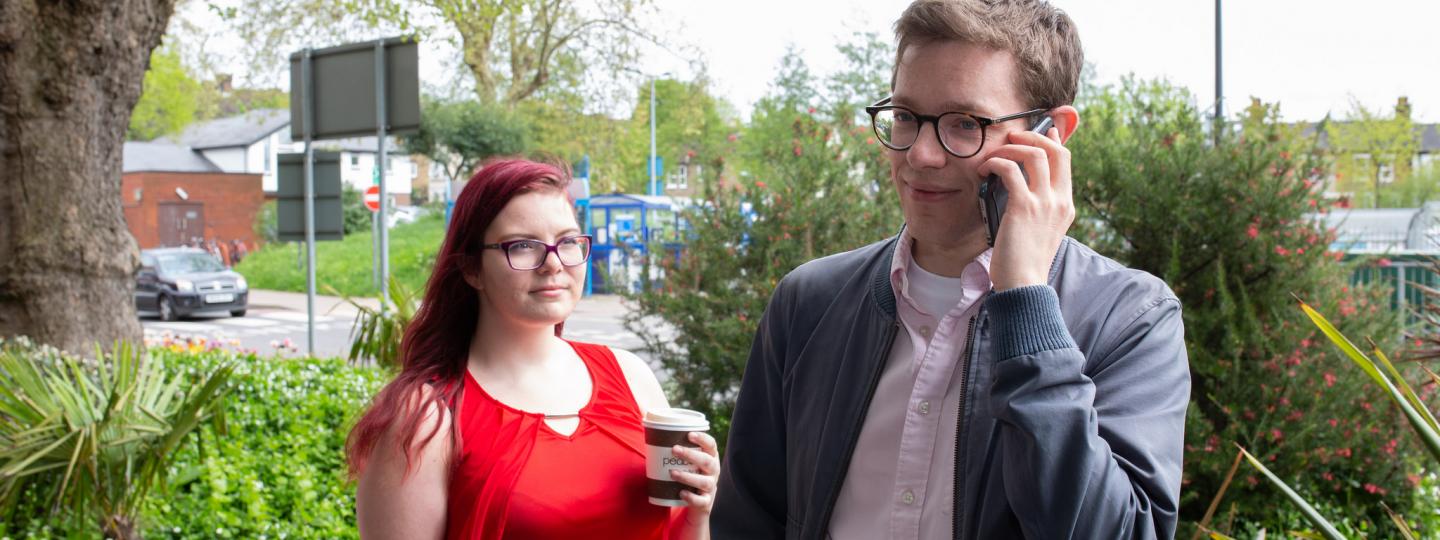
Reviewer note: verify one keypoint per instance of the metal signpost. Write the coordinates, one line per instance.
(347, 91)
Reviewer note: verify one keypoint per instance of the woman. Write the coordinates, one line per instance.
(498, 428)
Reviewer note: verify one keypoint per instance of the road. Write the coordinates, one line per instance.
(276, 323)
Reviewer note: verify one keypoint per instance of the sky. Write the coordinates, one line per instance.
(1312, 57)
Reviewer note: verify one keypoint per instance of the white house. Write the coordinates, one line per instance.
(251, 142)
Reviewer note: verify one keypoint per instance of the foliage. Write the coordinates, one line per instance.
(169, 101)
(516, 51)
(1370, 150)
(1384, 374)
(1231, 228)
(96, 437)
(1412, 190)
(277, 472)
(267, 224)
(280, 470)
(357, 218)
(462, 134)
(688, 127)
(377, 333)
(347, 265)
(799, 167)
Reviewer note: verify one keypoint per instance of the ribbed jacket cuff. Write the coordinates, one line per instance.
(1027, 321)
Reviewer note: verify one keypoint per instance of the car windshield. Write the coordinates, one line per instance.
(187, 263)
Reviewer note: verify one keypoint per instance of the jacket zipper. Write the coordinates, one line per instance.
(850, 447)
(959, 488)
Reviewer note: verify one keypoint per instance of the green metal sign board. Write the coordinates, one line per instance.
(290, 198)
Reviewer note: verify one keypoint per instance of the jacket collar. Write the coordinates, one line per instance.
(884, 293)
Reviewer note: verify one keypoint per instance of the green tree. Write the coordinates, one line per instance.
(1371, 150)
(458, 136)
(797, 170)
(1230, 227)
(688, 126)
(170, 99)
(516, 50)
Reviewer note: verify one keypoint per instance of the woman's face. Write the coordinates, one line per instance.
(546, 295)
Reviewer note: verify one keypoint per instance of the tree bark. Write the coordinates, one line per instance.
(70, 73)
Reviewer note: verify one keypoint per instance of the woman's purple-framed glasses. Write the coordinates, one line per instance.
(529, 254)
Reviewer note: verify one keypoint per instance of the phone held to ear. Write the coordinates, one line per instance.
(993, 194)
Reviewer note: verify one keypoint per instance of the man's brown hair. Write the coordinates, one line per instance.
(1040, 36)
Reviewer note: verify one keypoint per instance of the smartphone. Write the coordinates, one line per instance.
(993, 194)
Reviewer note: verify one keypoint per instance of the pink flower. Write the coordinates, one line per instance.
(1384, 263)
(1329, 381)
(1281, 251)
(1252, 231)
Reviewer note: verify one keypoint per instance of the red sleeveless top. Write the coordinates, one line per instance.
(515, 477)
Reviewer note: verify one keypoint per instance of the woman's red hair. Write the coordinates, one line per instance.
(435, 346)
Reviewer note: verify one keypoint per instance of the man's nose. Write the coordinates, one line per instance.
(927, 152)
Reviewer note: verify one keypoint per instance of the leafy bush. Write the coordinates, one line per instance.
(276, 471)
(377, 333)
(95, 437)
(1228, 225)
(279, 471)
(357, 218)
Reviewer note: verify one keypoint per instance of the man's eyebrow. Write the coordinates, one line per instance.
(946, 106)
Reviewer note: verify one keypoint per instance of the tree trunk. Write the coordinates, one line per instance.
(70, 72)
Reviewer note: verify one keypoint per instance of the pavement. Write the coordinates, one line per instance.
(276, 322)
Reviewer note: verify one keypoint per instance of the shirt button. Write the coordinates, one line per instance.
(908, 497)
(924, 407)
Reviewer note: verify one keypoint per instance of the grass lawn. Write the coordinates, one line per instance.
(348, 264)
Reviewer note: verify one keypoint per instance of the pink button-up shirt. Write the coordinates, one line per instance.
(900, 481)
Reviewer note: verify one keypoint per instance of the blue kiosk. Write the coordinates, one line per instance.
(626, 226)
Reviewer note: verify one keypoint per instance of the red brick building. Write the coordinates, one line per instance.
(174, 196)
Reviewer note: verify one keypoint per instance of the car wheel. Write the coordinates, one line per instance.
(237, 313)
(167, 309)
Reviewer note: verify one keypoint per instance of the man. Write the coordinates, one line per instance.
(929, 386)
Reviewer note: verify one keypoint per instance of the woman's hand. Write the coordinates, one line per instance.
(707, 465)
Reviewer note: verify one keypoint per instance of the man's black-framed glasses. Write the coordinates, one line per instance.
(529, 254)
(961, 134)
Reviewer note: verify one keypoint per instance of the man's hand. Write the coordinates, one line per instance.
(1039, 210)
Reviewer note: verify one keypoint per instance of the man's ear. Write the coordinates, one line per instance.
(1066, 119)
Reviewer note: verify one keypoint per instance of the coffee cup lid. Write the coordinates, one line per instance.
(677, 418)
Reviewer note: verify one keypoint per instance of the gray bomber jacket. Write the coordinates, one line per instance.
(1073, 415)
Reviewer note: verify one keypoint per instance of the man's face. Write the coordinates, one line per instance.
(937, 190)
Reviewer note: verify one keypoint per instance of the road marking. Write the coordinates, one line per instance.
(252, 322)
(295, 317)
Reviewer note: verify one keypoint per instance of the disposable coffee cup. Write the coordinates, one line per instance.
(665, 428)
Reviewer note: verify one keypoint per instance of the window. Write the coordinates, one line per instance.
(354, 161)
(680, 179)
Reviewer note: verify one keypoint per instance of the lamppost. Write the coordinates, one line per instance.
(654, 184)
